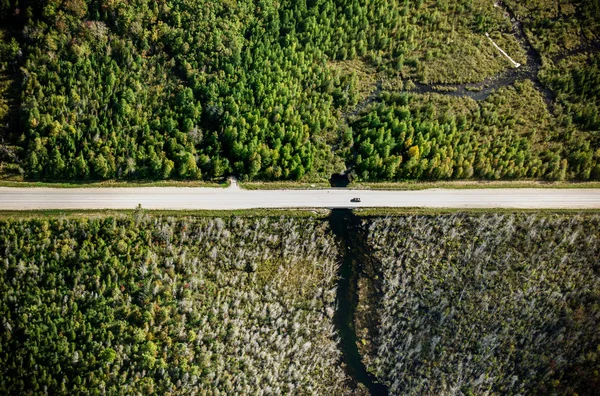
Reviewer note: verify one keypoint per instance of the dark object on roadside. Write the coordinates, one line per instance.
(355, 200)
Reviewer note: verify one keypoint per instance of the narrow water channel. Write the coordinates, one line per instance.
(345, 226)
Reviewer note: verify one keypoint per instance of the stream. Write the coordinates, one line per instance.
(476, 91)
(345, 226)
(482, 90)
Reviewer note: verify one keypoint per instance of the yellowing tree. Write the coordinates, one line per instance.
(413, 152)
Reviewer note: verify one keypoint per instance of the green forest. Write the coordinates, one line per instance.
(484, 303)
(508, 136)
(297, 90)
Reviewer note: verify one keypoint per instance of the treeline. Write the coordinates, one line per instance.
(509, 136)
(165, 305)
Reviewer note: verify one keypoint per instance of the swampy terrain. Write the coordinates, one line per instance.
(410, 304)
(169, 305)
(484, 303)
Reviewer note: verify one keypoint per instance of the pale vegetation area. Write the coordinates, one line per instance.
(471, 303)
(486, 303)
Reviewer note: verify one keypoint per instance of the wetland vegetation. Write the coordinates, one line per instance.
(149, 304)
(213, 303)
(484, 303)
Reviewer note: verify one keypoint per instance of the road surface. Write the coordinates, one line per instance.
(235, 198)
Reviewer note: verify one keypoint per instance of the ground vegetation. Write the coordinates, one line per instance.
(168, 305)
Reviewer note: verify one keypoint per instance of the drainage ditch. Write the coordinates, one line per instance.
(345, 225)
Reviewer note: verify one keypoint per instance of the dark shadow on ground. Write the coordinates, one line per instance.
(339, 180)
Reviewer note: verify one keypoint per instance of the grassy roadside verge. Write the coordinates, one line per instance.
(419, 185)
(285, 185)
(78, 213)
(290, 185)
(470, 184)
(114, 183)
(386, 212)
(316, 213)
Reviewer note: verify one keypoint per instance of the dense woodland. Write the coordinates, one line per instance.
(510, 135)
(168, 305)
(487, 304)
(10, 54)
(191, 89)
(576, 82)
